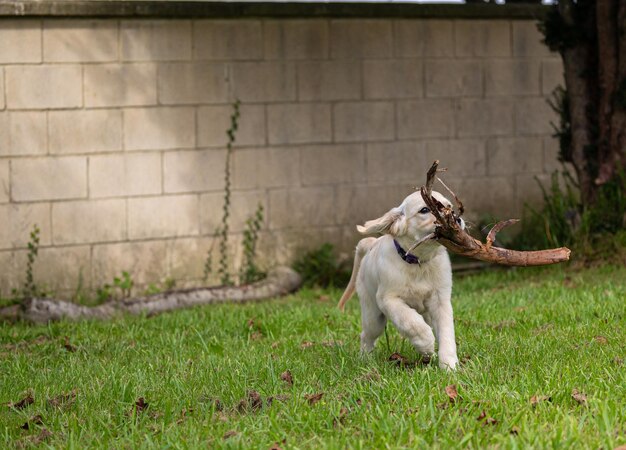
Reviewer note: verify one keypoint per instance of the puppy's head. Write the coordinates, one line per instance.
(412, 218)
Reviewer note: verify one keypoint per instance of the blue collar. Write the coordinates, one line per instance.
(407, 257)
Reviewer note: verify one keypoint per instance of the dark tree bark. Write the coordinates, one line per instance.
(590, 35)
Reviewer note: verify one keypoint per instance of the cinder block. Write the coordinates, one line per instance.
(2, 102)
(509, 156)
(512, 77)
(79, 40)
(146, 262)
(332, 164)
(128, 174)
(120, 84)
(453, 78)
(489, 197)
(462, 157)
(552, 155)
(357, 204)
(243, 206)
(528, 190)
(193, 171)
(86, 131)
(5, 136)
(356, 39)
(299, 123)
(61, 269)
(492, 117)
(40, 87)
(527, 39)
(192, 83)
(533, 116)
(363, 121)
(425, 118)
(264, 81)
(88, 221)
(18, 222)
(416, 37)
(483, 38)
(21, 41)
(551, 75)
(227, 39)
(186, 258)
(329, 80)
(395, 162)
(150, 40)
(385, 79)
(4, 181)
(266, 168)
(159, 128)
(9, 276)
(159, 217)
(296, 39)
(51, 178)
(214, 121)
(27, 133)
(302, 207)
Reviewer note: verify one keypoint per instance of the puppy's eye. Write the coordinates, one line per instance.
(424, 210)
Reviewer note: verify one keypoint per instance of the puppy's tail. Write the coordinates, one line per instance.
(362, 248)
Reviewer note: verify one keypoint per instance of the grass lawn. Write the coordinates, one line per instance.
(521, 334)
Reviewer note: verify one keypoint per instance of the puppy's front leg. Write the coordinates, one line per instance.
(443, 324)
(410, 324)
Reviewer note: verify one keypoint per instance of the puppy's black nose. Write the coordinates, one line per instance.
(458, 220)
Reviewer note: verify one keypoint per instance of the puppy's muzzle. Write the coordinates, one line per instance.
(461, 222)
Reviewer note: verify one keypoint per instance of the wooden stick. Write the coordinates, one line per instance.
(450, 234)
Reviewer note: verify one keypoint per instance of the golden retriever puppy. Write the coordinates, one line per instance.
(411, 290)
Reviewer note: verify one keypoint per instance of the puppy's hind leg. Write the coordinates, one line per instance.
(373, 323)
(362, 248)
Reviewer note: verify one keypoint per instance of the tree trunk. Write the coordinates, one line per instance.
(280, 281)
(591, 37)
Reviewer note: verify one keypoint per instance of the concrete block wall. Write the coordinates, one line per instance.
(112, 133)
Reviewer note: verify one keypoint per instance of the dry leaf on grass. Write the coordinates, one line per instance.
(306, 344)
(287, 377)
(23, 403)
(490, 421)
(313, 398)
(452, 393)
(139, 407)
(67, 346)
(601, 340)
(535, 399)
(63, 400)
(229, 434)
(579, 397)
(338, 420)
(252, 402)
(35, 420)
(256, 335)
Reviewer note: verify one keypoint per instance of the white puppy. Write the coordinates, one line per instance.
(412, 291)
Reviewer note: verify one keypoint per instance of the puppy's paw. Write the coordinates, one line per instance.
(448, 362)
(424, 345)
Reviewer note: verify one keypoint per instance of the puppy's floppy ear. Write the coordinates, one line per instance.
(392, 222)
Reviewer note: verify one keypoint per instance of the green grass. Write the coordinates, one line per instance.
(522, 333)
